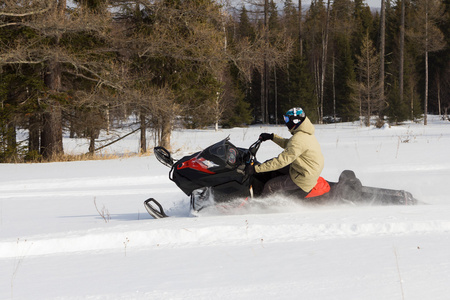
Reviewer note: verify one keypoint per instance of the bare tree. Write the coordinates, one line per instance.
(426, 35)
(317, 22)
(268, 48)
(179, 53)
(369, 86)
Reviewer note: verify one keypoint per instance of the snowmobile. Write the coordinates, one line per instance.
(217, 175)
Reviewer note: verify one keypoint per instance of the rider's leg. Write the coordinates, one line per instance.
(282, 183)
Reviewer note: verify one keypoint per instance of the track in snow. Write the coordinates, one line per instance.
(233, 230)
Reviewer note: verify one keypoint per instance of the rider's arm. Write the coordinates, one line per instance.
(292, 151)
(282, 142)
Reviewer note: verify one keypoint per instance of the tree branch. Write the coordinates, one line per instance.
(30, 13)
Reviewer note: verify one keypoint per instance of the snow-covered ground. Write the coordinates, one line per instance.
(78, 230)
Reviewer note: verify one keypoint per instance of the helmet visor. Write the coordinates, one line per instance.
(286, 119)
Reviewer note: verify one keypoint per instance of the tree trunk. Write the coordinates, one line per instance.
(11, 140)
(34, 131)
(369, 113)
(438, 83)
(317, 84)
(360, 104)
(402, 54)
(264, 75)
(51, 135)
(300, 12)
(324, 63)
(262, 96)
(92, 137)
(108, 120)
(425, 106)
(412, 102)
(276, 96)
(266, 93)
(334, 87)
(166, 131)
(382, 48)
(143, 137)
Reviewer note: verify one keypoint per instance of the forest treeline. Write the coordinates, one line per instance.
(83, 67)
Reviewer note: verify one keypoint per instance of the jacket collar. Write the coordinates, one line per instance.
(306, 127)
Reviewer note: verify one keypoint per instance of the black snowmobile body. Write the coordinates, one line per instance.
(217, 175)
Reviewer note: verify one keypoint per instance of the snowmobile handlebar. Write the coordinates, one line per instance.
(164, 156)
(253, 149)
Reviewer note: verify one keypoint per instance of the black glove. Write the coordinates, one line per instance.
(265, 136)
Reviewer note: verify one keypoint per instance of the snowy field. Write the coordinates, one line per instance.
(78, 230)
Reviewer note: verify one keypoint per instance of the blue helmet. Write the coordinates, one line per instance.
(294, 117)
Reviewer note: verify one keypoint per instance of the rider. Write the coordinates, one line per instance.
(298, 167)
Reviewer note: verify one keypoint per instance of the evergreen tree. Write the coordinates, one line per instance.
(399, 106)
(301, 88)
(342, 66)
(440, 69)
(49, 44)
(290, 19)
(364, 22)
(315, 29)
(245, 28)
(345, 106)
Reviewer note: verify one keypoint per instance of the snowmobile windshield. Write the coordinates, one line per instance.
(222, 153)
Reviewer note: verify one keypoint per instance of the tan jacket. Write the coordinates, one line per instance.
(302, 152)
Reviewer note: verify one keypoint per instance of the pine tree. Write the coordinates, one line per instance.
(301, 88)
(342, 66)
(345, 106)
(245, 28)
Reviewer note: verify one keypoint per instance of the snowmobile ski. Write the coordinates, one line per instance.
(155, 212)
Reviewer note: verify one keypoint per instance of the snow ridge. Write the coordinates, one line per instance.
(81, 186)
(189, 233)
